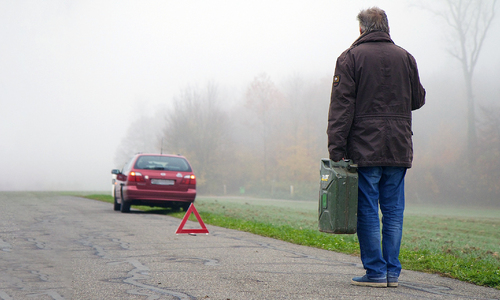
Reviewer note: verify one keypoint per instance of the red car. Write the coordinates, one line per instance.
(155, 180)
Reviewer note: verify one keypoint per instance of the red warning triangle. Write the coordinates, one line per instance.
(190, 210)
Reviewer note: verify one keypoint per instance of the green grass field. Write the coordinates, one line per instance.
(456, 242)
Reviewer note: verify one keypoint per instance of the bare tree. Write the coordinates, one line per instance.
(262, 97)
(197, 129)
(470, 21)
(305, 104)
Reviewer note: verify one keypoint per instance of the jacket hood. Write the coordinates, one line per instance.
(373, 36)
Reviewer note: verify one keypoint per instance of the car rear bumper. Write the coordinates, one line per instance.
(131, 193)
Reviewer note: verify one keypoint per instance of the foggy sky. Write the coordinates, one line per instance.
(75, 74)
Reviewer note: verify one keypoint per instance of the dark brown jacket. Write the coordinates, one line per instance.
(375, 88)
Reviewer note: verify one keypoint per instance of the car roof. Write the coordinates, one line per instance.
(158, 154)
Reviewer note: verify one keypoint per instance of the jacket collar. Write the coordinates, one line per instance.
(373, 36)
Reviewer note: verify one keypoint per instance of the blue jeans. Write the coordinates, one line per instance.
(382, 186)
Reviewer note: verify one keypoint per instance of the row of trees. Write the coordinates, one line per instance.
(268, 142)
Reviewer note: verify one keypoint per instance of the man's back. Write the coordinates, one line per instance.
(382, 76)
(371, 105)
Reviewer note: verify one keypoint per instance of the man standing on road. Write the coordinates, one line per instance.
(375, 87)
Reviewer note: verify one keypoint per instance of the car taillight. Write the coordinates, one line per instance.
(189, 179)
(135, 177)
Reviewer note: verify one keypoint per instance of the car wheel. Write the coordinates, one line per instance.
(117, 206)
(125, 207)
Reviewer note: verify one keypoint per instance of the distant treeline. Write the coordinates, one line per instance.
(268, 142)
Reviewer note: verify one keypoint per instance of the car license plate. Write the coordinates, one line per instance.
(162, 181)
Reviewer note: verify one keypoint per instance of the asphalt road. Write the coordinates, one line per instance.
(62, 247)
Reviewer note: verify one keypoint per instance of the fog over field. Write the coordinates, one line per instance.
(75, 74)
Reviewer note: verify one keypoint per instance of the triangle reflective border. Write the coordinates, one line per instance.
(193, 210)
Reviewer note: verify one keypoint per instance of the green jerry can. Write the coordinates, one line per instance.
(338, 196)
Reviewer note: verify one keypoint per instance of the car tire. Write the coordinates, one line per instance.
(125, 207)
(117, 206)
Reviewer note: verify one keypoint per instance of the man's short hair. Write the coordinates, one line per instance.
(373, 19)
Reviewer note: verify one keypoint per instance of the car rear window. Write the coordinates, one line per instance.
(167, 163)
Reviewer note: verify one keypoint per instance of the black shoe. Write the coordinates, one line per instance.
(365, 281)
(392, 281)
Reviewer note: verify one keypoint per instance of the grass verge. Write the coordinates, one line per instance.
(463, 248)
